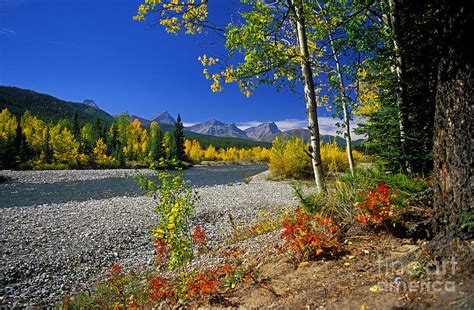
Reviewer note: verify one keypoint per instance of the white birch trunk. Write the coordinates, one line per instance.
(310, 96)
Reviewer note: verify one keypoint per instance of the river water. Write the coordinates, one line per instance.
(26, 194)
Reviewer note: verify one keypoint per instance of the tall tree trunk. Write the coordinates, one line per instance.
(310, 95)
(454, 132)
(345, 108)
(393, 23)
(342, 89)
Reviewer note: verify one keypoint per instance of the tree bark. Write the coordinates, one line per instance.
(454, 132)
(342, 89)
(345, 108)
(399, 71)
(310, 96)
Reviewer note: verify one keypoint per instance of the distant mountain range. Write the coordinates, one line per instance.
(143, 121)
(52, 109)
(264, 132)
(164, 118)
(91, 103)
(261, 131)
(219, 129)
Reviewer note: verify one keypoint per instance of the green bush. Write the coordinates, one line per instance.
(175, 202)
(347, 189)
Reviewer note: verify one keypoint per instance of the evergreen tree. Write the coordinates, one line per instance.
(75, 127)
(22, 150)
(7, 154)
(406, 81)
(170, 143)
(179, 151)
(111, 140)
(156, 148)
(47, 152)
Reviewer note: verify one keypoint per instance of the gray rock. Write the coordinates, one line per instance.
(79, 241)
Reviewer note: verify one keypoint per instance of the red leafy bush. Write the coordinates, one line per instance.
(200, 238)
(375, 206)
(159, 289)
(308, 236)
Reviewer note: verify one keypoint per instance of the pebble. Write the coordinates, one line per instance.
(52, 250)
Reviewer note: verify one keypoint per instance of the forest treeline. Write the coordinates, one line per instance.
(30, 142)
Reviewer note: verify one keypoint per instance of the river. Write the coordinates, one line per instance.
(24, 193)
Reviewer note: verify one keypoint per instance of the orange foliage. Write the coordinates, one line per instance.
(308, 236)
(200, 238)
(376, 206)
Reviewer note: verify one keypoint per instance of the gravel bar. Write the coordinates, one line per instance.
(58, 176)
(52, 250)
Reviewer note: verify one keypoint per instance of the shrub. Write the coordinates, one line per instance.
(200, 238)
(120, 291)
(349, 189)
(266, 222)
(309, 236)
(375, 206)
(312, 204)
(175, 201)
(290, 159)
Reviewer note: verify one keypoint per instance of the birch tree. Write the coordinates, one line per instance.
(267, 43)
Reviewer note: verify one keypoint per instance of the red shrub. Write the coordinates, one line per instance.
(203, 284)
(200, 238)
(375, 207)
(115, 269)
(159, 289)
(308, 236)
(161, 250)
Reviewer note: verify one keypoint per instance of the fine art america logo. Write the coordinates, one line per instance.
(431, 277)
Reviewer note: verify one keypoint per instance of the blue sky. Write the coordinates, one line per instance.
(89, 49)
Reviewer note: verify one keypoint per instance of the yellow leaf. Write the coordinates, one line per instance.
(303, 264)
(374, 289)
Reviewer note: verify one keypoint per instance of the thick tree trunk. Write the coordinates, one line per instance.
(345, 108)
(399, 71)
(310, 97)
(454, 132)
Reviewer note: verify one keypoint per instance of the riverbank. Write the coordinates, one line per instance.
(57, 249)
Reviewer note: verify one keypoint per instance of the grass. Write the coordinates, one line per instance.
(344, 191)
(265, 223)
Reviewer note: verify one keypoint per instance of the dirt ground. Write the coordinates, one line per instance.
(378, 271)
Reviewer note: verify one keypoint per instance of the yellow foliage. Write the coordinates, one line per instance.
(34, 130)
(289, 159)
(136, 141)
(195, 152)
(64, 145)
(368, 95)
(8, 125)
(210, 153)
(99, 151)
(191, 15)
(333, 158)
